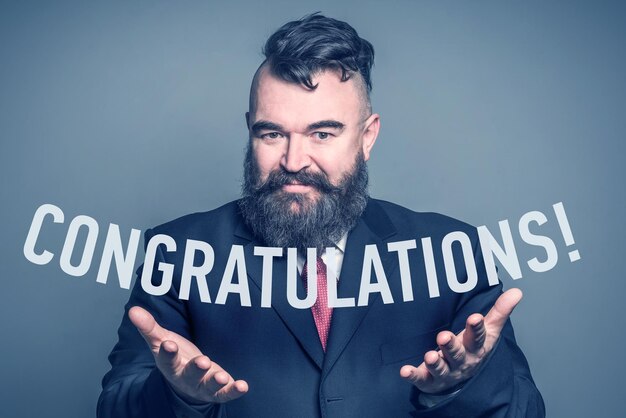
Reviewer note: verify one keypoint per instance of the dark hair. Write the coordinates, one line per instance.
(301, 48)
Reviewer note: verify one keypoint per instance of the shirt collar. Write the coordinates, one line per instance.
(341, 244)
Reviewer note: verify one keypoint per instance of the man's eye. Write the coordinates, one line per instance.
(271, 135)
(322, 135)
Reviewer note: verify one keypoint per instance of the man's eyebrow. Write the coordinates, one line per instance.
(333, 124)
(265, 125)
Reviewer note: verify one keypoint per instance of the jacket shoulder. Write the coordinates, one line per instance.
(407, 220)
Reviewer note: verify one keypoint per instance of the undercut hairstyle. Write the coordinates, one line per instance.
(302, 48)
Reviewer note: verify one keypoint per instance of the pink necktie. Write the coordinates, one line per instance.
(321, 312)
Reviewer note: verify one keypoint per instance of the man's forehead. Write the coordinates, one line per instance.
(272, 97)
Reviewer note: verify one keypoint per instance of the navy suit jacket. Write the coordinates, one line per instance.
(278, 352)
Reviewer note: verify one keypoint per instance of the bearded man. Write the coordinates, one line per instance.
(311, 132)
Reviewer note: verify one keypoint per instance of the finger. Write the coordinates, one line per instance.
(233, 390)
(202, 373)
(416, 375)
(149, 329)
(475, 333)
(451, 348)
(217, 379)
(168, 359)
(436, 364)
(502, 309)
(196, 369)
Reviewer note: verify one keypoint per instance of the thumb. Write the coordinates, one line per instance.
(503, 308)
(147, 326)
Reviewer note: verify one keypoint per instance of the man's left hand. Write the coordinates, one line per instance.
(459, 356)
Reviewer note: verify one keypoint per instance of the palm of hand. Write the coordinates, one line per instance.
(459, 356)
(191, 374)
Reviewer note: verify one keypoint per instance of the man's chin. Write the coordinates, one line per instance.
(295, 207)
(301, 202)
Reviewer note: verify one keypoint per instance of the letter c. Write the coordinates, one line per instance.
(35, 228)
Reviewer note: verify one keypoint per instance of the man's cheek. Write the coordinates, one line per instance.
(267, 159)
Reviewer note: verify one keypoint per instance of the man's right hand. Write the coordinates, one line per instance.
(194, 377)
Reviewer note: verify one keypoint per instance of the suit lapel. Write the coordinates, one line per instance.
(373, 228)
(299, 321)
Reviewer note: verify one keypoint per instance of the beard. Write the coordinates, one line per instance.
(295, 220)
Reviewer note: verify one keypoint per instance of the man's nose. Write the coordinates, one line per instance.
(296, 156)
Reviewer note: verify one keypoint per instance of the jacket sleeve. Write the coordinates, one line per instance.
(134, 387)
(503, 387)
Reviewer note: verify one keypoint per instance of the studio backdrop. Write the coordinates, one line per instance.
(132, 114)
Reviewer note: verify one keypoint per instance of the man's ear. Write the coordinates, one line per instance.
(370, 133)
(247, 115)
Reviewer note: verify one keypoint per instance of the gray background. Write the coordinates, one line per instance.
(132, 113)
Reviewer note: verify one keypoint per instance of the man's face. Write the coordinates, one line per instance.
(322, 131)
(305, 177)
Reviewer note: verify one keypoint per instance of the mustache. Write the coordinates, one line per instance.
(280, 177)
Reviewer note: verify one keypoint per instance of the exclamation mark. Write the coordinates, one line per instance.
(559, 210)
